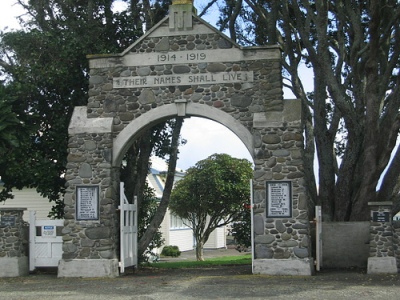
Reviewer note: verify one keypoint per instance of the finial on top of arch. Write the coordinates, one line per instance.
(175, 2)
(180, 15)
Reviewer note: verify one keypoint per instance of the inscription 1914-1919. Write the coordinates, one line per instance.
(189, 57)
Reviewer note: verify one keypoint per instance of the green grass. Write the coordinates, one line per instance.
(209, 262)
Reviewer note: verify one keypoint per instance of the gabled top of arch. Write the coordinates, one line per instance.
(187, 26)
(182, 20)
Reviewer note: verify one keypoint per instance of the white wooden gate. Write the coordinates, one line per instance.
(128, 235)
(45, 248)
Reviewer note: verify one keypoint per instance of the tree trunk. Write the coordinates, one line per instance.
(146, 145)
(199, 250)
(162, 208)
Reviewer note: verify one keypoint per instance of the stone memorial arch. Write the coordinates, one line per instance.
(185, 67)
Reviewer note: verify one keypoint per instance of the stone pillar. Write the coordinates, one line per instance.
(13, 246)
(281, 237)
(381, 254)
(90, 232)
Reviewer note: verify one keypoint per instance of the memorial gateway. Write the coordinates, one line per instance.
(184, 67)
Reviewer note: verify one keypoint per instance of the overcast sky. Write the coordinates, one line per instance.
(204, 137)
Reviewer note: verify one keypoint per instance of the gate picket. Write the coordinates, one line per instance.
(128, 231)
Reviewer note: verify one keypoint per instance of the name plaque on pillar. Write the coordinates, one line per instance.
(87, 202)
(380, 216)
(6, 221)
(279, 199)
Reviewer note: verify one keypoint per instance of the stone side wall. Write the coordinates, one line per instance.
(89, 163)
(13, 241)
(381, 244)
(381, 241)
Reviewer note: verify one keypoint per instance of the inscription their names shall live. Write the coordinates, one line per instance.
(185, 79)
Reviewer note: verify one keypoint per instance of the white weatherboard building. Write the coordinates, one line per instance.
(30, 199)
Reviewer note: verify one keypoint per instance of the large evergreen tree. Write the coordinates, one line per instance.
(352, 115)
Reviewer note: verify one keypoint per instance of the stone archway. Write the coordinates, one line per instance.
(121, 142)
(185, 67)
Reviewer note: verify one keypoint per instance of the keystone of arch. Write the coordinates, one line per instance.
(149, 119)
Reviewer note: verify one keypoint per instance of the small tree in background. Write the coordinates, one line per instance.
(211, 195)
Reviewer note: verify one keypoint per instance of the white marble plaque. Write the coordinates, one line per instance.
(279, 199)
(87, 202)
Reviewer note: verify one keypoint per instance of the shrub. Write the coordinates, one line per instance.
(171, 251)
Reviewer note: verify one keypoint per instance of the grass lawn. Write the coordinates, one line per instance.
(209, 262)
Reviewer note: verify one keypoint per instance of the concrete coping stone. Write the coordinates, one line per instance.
(13, 208)
(380, 203)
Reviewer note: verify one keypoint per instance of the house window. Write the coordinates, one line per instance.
(178, 223)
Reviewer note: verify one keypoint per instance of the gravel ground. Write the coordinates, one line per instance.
(228, 282)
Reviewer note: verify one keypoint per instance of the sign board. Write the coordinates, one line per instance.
(279, 199)
(87, 202)
(6, 221)
(48, 231)
(381, 216)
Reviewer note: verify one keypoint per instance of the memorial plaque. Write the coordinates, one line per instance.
(87, 202)
(279, 199)
(381, 216)
(7, 221)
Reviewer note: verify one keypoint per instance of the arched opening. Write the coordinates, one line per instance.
(131, 131)
(222, 133)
